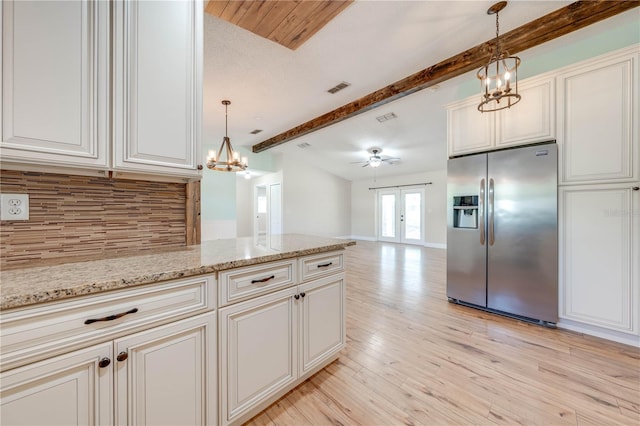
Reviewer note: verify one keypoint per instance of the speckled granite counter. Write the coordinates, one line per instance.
(27, 286)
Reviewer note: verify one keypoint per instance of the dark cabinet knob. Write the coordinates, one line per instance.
(303, 294)
(297, 296)
(636, 188)
(200, 167)
(104, 362)
(122, 356)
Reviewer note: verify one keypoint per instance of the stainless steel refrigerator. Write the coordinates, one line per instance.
(502, 221)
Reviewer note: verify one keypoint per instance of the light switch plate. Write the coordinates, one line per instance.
(14, 206)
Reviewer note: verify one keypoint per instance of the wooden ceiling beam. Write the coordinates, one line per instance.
(563, 21)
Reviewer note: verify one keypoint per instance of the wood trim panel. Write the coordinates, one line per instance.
(193, 213)
(553, 25)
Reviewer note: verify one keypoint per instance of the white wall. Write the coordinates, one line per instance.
(363, 205)
(244, 206)
(315, 202)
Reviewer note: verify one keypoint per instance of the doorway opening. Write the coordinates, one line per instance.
(401, 215)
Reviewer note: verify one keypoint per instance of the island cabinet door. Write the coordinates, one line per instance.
(70, 389)
(167, 375)
(258, 353)
(322, 320)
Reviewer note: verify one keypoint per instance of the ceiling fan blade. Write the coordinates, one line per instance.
(359, 162)
(366, 164)
(391, 159)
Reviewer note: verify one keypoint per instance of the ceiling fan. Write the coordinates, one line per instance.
(376, 160)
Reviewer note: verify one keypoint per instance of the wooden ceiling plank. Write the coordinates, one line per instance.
(235, 10)
(255, 15)
(275, 16)
(314, 22)
(216, 7)
(563, 21)
(297, 20)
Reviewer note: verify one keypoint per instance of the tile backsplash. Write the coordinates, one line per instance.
(79, 216)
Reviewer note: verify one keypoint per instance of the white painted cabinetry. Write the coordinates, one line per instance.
(129, 357)
(157, 75)
(598, 117)
(91, 85)
(599, 255)
(55, 68)
(70, 389)
(529, 121)
(599, 196)
(273, 342)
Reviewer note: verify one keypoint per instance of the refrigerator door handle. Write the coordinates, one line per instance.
(481, 212)
(491, 212)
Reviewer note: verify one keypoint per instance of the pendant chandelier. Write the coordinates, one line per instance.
(499, 78)
(231, 161)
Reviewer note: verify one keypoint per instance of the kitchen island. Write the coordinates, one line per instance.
(141, 339)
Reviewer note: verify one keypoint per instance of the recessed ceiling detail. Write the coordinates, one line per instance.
(255, 132)
(386, 117)
(289, 23)
(335, 89)
(303, 145)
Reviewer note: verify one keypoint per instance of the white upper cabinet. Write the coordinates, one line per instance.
(533, 119)
(598, 115)
(530, 120)
(469, 130)
(55, 82)
(157, 86)
(95, 85)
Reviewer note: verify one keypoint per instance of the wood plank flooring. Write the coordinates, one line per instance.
(412, 358)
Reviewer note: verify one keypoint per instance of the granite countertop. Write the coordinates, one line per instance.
(27, 286)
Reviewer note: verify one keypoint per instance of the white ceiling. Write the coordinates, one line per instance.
(370, 45)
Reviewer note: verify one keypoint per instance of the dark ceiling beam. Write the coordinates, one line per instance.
(553, 25)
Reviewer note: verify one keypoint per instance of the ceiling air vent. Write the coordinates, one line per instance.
(304, 145)
(256, 131)
(339, 87)
(386, 117)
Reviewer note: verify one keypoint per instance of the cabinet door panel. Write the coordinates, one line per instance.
(258, 354)
(322, 323)
(598, 107)
(54, 79)
(169, 375)
(599, 255)
(157, 86)
(64, 390)
(532, 119)
(469, 130)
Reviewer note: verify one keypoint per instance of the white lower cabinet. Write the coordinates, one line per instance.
(167, 375)
(163, 376)
(70, 389)
(600, 255)
(271, 343)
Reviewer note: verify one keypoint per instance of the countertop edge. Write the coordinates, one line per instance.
(91, 288)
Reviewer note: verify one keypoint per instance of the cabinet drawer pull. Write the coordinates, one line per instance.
(303, 294)
(122, 356)
(111, 317)
(636, 188)
(324, 265)
(264, 280)
(297, 296)
(104, 362)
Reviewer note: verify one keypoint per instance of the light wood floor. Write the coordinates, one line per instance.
(413, 358)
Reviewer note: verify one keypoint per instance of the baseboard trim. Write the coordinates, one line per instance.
(361, 237)
(436, 245)
(591, 330)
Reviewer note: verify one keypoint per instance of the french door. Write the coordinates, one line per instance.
(401, 215)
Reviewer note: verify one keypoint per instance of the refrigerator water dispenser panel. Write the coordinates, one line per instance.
(465, 211)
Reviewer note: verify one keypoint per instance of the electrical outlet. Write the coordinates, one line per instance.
(14, 206)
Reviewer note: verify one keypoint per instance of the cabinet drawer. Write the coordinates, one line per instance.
(319, 265)
(34, 333)
(241, 283)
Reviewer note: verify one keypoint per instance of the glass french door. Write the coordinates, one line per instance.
(401, 215)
